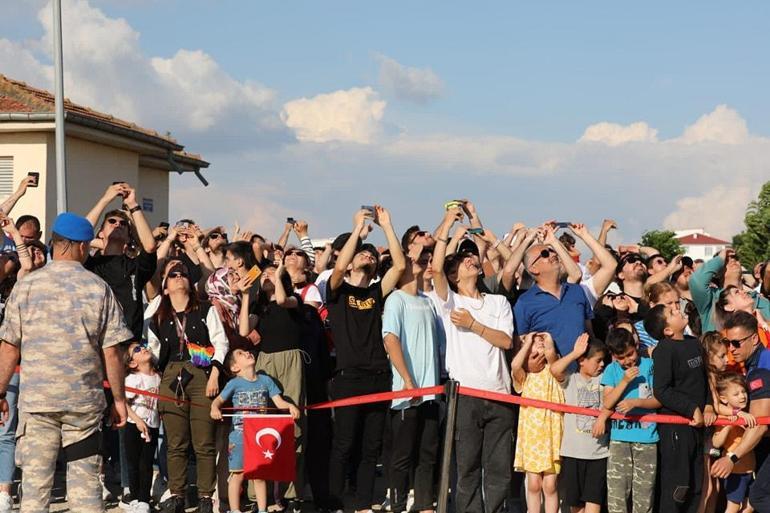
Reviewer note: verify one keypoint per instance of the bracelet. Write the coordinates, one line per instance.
(473, 321)
(137, 208)
(442, 240)
(483, 329)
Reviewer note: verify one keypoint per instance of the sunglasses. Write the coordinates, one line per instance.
(217, 235)
(177, 274)
(421, 233)
(119, 222)
(138, 349)
(659, 261)
(632, 260)
(614, 296)
(295, 252)
(544, 254)
(738, 342)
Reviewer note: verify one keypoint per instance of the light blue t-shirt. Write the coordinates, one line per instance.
(639, 388)
(414, 321)
(243, 392)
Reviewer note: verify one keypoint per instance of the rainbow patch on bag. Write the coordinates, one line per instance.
(200, 356)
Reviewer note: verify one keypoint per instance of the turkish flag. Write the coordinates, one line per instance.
(268, 447)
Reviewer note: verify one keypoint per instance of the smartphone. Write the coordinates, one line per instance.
(164, 224)
(125, 195)
(254, 272)
(182, 224)
(452, 204)
(290, 220)
(370, 208)
(36, 175)
(562, 224)
(475, 231)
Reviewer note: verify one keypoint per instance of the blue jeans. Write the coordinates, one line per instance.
(8, 433)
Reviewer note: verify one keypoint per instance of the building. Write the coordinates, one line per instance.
(699, 244)
(101, 149)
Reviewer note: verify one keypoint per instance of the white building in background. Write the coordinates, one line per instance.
(699, 244)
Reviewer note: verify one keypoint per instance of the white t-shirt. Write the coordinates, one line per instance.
(313, 294)
(321, 283)
(470, 359)
(145, 407)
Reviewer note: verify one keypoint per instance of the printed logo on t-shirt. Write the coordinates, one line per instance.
(358, 304)
(755, 384)
(694, 363)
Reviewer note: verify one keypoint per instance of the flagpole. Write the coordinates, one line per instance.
(61, 156)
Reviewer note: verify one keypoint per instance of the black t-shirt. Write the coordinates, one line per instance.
(280, 329)
(679, 376)
(355, 316)
(126, 277)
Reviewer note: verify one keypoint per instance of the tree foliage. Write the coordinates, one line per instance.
(664, 241)
(753, 243)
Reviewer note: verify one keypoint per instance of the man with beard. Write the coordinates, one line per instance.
(355, 312)
(632, 274)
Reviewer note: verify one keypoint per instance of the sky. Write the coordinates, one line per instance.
(655, 114)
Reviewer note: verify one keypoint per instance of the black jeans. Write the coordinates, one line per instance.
(139, 455)
(319, 436)
(415, 445)
(483, 441)
(366, 420)
(759, 493)
(681, 467)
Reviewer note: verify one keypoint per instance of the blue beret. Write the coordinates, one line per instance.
(73, 227)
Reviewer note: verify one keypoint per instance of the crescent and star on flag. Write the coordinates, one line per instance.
(265, 432)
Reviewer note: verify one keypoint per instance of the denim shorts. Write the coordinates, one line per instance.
(737, 487)
(235, 451)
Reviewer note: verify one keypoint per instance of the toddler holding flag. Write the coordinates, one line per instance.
(247, 389)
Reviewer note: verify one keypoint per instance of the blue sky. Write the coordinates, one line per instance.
(412, 103)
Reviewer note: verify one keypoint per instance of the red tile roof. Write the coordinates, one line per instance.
(16, 96)
(699, 239)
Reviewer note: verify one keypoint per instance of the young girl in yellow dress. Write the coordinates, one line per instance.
(539, 436)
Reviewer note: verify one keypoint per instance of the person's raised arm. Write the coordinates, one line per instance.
(25, 258)
(574, 275)
(440, 283)
(607, 263)
(284, 238)
(559, 367)
(11, 201)
(523, 242)
(305, 244)
(520, 358)
(496, 244)
(664, 274)
(457, 237)
(348, 251)
(143, 230)
(112, 192)
(700, 280)
(390, 280)
(607, 225)
(283, 299)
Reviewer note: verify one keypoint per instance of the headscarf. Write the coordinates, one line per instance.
(222, 297)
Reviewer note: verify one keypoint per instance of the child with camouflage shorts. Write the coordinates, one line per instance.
(632, 463)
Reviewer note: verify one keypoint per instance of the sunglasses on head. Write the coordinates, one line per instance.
(545, 253)
(737, 343)
(119, 222)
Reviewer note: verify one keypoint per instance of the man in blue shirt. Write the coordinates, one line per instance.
(560, 309)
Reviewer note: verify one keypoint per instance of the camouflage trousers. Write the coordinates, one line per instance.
(39, 438)
(631, 469)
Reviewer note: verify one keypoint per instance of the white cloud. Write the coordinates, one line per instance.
(348, 116)
(418, 85)
(722, 125)
(613, 134)
(106, 69)
(720, 211)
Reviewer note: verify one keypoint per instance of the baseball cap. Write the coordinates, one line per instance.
(340, 241)
(468, 246)
(73, 227)
(369, 248)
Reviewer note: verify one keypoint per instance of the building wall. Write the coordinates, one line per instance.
(702, 251)
(153, 185)
(30, 153)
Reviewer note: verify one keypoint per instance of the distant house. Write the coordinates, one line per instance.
(699, 244)
(101, 149)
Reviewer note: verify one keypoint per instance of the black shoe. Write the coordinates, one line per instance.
(295, 506)
(125, 500)
(174, 504)
(205, 505)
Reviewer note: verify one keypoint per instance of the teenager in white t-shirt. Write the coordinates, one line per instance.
(478, 330)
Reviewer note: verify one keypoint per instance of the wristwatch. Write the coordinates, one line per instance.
(733, 457)
(135, 209)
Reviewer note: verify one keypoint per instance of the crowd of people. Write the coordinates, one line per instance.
(193, 321)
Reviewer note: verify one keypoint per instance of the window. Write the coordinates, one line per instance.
(6, 176)
(709, 250)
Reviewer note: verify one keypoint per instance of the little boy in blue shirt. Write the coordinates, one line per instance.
(246, 389)
(632, 462)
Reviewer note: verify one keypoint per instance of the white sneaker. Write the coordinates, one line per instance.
(6, 502)
(140, 507)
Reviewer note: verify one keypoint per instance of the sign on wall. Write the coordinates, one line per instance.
(147, 204)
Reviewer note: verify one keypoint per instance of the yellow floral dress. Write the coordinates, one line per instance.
(539, 436)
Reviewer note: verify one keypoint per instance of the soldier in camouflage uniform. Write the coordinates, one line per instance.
(65, 325)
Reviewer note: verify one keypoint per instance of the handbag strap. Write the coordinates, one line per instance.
(181, 326)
